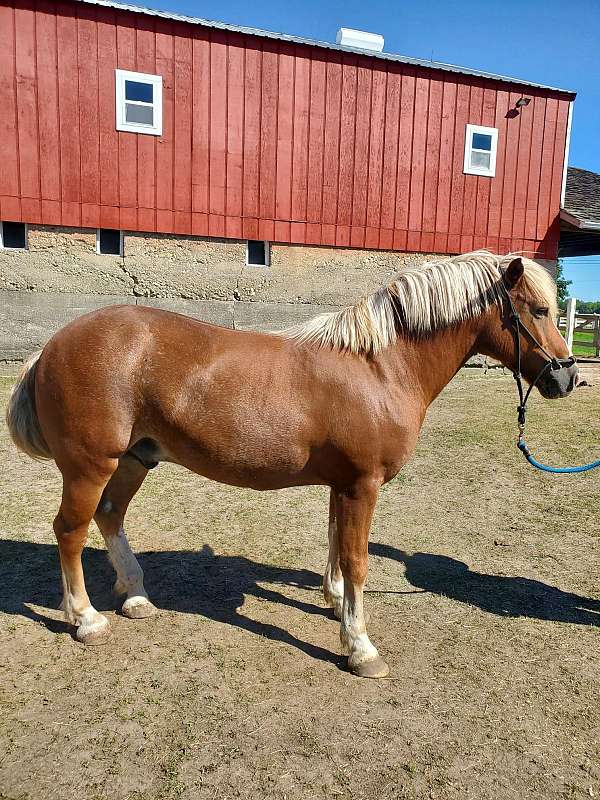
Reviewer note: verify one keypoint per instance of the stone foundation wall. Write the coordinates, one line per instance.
(61, 276)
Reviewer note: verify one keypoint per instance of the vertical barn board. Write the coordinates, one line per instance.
(235, 125)
(405, 137)
(510, 170)
(218, 122)
(47, 80)
(251, 145)
(349, 113)
(200, 122)
(458, 176)
(314, 201)
(390, 148)
(523, 164)
(285, 133)
(497, 186)
(432, 155)
(268, 131)
(146, 145)
(109, 141)
(9, 161)
(89, 131)
(544, 207)
(361, 152)
(558, 160)
(415, 212)
(471, 181)
(484, 184)
(127, 141)
(27, 125)
(533, 184)
(68, 104)
(302, 91)
(446, 158)
(182, 130)
(375, 152)
(164, 146)
(331, 143)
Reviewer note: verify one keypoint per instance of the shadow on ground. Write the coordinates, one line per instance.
(215, 586)
(510, 596)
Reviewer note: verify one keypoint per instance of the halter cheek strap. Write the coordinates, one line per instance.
(552, 363)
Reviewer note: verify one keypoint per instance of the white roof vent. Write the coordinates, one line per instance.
(360, 40)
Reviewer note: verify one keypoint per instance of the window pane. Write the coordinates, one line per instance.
(480, 159)
(141, 115)
(482, 141)
(134, 90)
(13, 235)
(110, 242)
(257, 253)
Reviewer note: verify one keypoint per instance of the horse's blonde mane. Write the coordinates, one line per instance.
(422, 299)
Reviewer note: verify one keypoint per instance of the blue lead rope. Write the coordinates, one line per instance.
(560, 470)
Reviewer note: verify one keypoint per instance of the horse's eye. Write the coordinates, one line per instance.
(541, 312)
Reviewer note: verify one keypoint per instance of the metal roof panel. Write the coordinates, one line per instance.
(284, 37)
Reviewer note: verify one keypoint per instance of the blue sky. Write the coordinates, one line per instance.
(546, 41)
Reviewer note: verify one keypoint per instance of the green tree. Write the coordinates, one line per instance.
(562, 286)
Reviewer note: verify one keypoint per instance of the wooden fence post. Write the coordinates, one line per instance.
(570, 322)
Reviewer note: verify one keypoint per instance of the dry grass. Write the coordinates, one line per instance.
(483, 598)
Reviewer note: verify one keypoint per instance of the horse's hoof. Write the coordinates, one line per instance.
(376, 668)
(94, 634)
(138, 608)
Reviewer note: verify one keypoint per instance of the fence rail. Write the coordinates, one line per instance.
(587, 325)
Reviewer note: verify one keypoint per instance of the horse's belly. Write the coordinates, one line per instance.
(253, 463)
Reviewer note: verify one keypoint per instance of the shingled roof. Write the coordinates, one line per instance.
(582, 196)
(580, 215)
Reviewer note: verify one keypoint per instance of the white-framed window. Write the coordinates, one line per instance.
(13, 236)
(138, 102)
(258, 253)
(480, 150)
(109, 242)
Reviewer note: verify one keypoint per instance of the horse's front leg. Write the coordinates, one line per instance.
(354, 512)
(333, 582)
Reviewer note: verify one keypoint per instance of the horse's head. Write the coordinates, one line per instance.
(523, 329)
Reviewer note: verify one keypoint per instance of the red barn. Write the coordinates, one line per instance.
(117, 118)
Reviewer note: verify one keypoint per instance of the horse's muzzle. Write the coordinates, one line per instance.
(559, 382)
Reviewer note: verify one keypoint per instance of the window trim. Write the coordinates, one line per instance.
(121, 123)
(121, 244)
(14, 249)
(488, 172)
(267, 253)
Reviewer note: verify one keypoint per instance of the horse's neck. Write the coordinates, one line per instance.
(432, 362)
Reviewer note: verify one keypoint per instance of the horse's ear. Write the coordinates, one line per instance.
(514, 272)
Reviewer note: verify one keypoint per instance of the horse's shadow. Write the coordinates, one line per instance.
(214, 586)
(511, 596)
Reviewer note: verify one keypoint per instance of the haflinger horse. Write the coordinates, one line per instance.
(338, 401)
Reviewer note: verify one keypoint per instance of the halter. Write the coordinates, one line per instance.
(552, 364)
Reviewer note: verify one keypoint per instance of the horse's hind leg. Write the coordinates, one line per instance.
(109, 517)
(81, 494)
(333, 582)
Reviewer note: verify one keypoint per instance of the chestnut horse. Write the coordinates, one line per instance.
(338, 401)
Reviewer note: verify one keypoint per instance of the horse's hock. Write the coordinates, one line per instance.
(61, 276)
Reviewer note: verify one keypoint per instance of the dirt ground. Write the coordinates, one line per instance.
(483, 595)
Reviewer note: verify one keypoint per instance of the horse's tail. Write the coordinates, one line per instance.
(21, 416)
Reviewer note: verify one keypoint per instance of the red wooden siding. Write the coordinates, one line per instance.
(265, 139)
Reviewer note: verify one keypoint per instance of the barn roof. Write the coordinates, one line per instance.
(284, 37)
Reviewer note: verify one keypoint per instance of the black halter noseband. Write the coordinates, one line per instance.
(552, 364)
